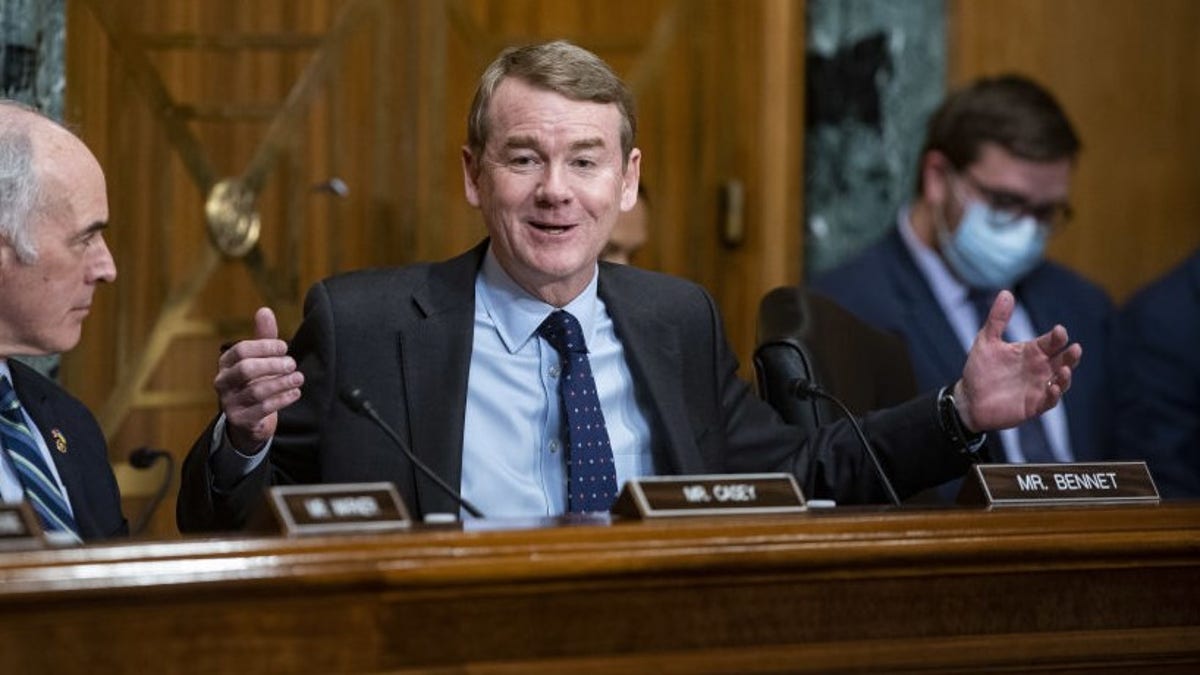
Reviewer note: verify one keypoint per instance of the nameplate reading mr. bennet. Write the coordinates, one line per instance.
(1046, 484)
(711, 495)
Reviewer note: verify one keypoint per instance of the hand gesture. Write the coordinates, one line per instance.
(1006, 383)
(256, 379)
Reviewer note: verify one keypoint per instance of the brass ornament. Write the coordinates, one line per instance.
(233, 222)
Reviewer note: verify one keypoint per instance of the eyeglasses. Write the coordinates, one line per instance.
(1006, 208)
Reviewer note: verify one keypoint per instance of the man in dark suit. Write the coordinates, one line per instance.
(994, 183)
(463, 357)
(1155, 358)
(53, 211)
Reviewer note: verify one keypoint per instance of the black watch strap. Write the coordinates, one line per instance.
(952, 424)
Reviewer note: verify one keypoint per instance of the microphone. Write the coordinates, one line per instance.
(354, 399)
(804, 390)
(144, 458)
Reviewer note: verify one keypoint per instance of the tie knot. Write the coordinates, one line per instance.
(563, 332)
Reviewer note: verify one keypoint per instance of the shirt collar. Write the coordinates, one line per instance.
(517, 314)
(948, 289)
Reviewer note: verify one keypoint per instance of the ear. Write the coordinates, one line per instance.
(935, 177)
(470, 165)
(629, 180)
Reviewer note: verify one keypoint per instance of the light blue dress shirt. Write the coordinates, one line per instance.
(952, 295)
(10, 484)
(513, 446)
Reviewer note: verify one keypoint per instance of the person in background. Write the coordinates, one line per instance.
(994, 186)
(53, 212)
(630, 232)
(1158, 368)
(534, 379)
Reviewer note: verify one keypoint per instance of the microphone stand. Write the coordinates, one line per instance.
(803, 389)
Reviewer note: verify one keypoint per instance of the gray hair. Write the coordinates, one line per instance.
(20, 191)
(560, 67)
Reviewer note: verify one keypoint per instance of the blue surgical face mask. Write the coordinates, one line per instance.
(986, 256)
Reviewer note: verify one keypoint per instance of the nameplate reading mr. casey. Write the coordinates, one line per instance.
(1035, 484)
(338, 508)
(663, 496)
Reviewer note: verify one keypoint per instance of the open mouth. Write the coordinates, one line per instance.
(552, 228)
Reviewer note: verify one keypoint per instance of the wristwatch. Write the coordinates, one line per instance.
(952, 424)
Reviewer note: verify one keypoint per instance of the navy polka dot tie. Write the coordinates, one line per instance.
(592, 478)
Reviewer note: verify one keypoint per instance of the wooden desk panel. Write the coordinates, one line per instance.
(844, 591)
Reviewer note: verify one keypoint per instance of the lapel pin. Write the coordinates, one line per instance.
(60, 441)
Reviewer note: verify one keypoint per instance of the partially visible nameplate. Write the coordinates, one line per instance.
(1048, 484)
(19, 527)
(711, 495)
(339, 508)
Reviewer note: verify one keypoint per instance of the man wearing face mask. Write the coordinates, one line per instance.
(993, 187)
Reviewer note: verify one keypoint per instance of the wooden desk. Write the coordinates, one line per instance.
(942, 591)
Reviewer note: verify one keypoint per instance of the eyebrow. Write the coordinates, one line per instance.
(531, 142)
(98, 226)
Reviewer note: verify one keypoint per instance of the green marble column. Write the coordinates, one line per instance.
(875, 71)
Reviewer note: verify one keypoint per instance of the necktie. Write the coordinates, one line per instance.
(591, 476)
(41, 491)
(1031, 434)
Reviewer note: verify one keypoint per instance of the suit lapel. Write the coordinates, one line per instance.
(654, 355)
(922, 314)
(57, 434)
(436, 356)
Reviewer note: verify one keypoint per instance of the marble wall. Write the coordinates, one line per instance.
(875, 69)
(32, 35)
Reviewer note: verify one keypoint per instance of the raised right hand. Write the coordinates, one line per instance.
(255, 380)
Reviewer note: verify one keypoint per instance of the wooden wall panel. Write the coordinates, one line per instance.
(176, 96)
(1127, 73)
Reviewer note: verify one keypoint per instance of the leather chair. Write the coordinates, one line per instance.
(805, 335)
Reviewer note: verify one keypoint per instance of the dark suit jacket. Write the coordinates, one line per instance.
(885, 288)
(1157, 358)
(84, 467)
(404, 336)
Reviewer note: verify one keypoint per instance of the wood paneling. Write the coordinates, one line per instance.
(841, 591)
(175, 96)
(1127, 73)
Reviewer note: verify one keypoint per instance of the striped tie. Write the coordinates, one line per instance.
(41, 490)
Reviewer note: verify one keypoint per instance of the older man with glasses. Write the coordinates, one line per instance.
(993, 186)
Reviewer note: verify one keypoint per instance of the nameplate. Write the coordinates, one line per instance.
(1047, 484)
(712, 495)
(19, 527)
(338, 508)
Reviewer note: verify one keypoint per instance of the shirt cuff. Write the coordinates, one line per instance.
(229, 465)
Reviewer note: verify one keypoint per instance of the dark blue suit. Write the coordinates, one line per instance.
(79, 451)
(884, 287)
(1157, 338)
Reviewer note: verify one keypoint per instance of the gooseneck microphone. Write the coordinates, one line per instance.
(354, 399)
(804, 389)
(144, 458)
